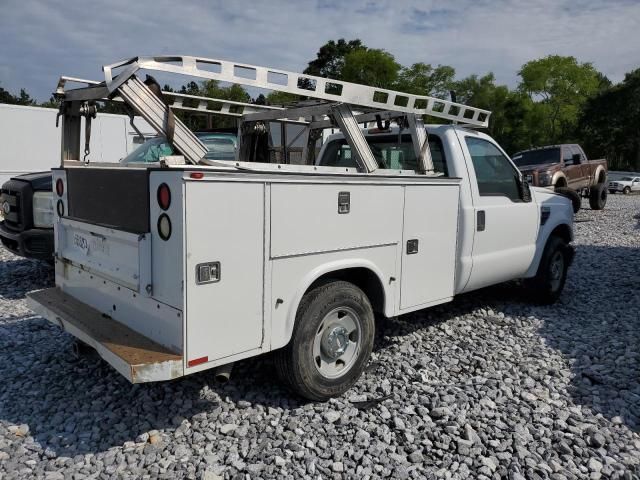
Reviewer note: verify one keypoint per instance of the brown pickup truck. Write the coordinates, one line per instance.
(565, 169)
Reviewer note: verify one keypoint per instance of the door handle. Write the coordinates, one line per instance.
(481, 223)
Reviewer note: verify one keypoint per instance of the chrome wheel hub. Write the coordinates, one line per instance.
(337, 342)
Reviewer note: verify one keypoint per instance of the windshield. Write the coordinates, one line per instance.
(150, 151)
(221, 146)
(537, 157)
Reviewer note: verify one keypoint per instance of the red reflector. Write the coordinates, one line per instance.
(196, 175)
(59, 187)
(164, 196)
(197, 361)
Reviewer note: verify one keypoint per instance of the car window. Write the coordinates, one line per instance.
(389, 153)
(150, 151)
(567, 156)
(537, 157)
(575, 150)
(219, 146)
(495, 174)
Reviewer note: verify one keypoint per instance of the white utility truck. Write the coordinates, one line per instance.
(192, 264)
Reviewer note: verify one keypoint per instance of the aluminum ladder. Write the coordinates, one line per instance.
(297, 84)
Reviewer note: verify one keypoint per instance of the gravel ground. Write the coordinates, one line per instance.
(485, 387)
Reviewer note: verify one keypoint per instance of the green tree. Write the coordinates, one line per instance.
(331, 56)
(373, 67)
(423, 79)
(23, 98)
(559, 85)
(513, 121)
(609, 124)
(281, 98)
(212, 89)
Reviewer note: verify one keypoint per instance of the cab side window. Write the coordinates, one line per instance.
(494, 173)
(567, 155)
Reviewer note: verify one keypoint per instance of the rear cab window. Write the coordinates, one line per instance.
(391, 152)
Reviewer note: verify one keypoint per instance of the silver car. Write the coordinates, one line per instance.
(625, 185)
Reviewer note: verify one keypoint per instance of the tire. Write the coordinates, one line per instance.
(317, 363)
(546, 287)
(572, 195)
(598, 196)
(626, 190)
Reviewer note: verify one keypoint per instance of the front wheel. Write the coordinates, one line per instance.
(598, 196)
(331, 342)
(626, 190)
(547, 285)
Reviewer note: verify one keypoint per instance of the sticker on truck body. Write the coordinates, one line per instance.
(81, 242)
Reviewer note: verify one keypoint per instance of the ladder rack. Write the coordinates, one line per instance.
(185, 102)
(297, 84)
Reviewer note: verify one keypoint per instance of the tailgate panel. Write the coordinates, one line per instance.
(122, 257)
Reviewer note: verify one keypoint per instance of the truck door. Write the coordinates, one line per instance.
(576, 172)
(505, 226)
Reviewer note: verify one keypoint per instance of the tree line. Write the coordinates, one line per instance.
(557, 99)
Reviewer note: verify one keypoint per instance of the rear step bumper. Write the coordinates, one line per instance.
(135, 356)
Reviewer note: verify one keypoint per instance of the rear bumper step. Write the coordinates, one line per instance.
(135, 356)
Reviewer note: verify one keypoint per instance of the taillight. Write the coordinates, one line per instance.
(164, 226)
(164, 196)
(59, 187)
(60, 208)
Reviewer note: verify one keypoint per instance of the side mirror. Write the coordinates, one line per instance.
(577, 159)
(523, 189)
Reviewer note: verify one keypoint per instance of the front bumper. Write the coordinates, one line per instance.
(34, 243)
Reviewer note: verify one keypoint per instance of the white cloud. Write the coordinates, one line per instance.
(42, 39)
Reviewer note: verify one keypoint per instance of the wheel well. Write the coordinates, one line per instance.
(602, 177)
(563, 231)
(561, 182)
(361, 277)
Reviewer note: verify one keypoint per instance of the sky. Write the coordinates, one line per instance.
(43, 39)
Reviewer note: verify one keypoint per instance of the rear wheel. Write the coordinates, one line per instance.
(331, 342)
(572, 195)
(598, 196)
(626, 190)
(546, 287)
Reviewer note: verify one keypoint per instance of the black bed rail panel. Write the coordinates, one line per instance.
(114, 198)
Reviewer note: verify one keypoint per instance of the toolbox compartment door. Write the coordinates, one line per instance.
(224, 225)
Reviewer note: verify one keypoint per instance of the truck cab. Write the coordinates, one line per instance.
(500, 228)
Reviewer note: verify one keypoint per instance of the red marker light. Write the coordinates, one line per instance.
(59, 187)
(164, 196)
(197, 175)
(197, 361)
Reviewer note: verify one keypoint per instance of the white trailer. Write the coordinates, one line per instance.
(31, 141)
(192, 264)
